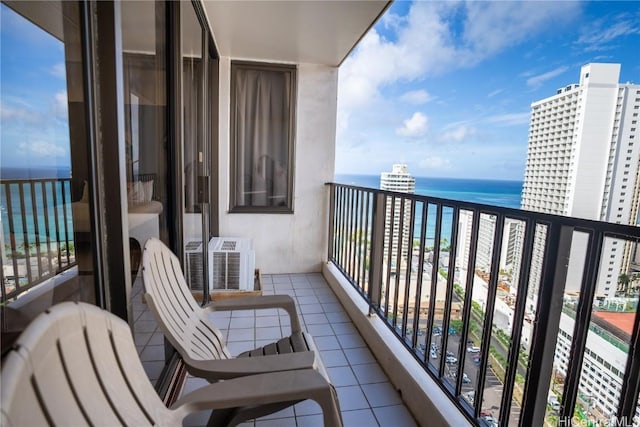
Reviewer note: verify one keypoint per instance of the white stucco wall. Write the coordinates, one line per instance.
(289, 243)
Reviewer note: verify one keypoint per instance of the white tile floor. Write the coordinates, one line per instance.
(366, 396)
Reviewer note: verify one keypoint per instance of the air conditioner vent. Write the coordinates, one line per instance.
(194, 265)
(228, 245)
(231, 264)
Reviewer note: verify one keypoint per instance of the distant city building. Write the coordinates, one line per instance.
(400, 180)
(582, 161)
(604, 362)
(485, 242)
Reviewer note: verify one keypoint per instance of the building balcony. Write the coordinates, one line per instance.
(409, 336)
(530, 368)
(367, 396)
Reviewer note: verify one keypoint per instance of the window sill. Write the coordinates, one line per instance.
(261, 210)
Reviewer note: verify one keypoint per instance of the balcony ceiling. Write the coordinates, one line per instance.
(318, 32)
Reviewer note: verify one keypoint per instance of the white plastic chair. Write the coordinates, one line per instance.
(188, 328)
(77, 365)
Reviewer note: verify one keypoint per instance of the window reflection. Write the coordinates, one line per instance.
(47, 244)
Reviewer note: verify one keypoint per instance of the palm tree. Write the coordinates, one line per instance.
(623, 284)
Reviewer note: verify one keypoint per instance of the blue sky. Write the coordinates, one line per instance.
(446, 87)
(33, 95)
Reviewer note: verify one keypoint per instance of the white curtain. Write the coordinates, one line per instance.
(262, 114)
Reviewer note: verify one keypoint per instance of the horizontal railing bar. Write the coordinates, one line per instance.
(610, 229)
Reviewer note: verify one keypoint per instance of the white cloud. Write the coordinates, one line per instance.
(537, 81)
(60, 106)
(494, 93)
(513, 119)
(428, 44)
(608, 29)
(41, 149)
(458, 134)
(492, 26)
(392, 20)
(421, 47)
(414, 127)
(9, 114)
(59, 70)
(416, 97)
(435, 162)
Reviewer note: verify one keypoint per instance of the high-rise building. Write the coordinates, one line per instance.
(582, 161)
(400, 180)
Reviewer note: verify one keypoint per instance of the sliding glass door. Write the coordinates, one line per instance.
(199, 75)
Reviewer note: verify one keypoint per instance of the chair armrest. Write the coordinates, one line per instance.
(214, 370)
(262, 302)
(264, 389)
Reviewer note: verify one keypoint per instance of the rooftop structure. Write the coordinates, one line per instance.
(399, 179)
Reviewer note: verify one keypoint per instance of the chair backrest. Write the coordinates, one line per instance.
(77, 365)
(184, 323)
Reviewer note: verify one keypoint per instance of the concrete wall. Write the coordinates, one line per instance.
(289, 243)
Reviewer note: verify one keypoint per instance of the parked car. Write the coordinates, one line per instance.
(433, 354)
(489, 421)
(471, 396)
(465, 379)
(473, 349)
(451, 359)
(553, 401)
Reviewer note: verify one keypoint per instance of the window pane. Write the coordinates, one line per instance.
(145, 104)
(46, 227)
(262, 118)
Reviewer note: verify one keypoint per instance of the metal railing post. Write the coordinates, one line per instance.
(332, 218)
(549, 309)
(377, 251)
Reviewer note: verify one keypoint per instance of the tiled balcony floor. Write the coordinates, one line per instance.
(366, 396)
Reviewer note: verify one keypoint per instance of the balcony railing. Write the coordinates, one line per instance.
(37, 233)
(475, 294)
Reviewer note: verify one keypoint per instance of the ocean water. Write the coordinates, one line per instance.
(490, 192)
(28, 202)
(506, 194)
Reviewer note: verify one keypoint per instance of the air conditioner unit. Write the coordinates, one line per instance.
(231, 264)
(194, 264)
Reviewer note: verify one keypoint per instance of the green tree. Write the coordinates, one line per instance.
(623, 283)
(456, 324)
(444, 244)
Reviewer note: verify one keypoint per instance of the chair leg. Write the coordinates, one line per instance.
(221, 417)
(327, 399)
(232, 417)
(330, 407)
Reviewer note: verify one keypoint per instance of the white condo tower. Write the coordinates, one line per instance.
(582, 161)
(400, 180)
